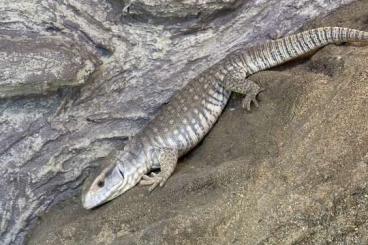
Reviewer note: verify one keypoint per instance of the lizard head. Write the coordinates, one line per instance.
(106, 186)
(112, 181)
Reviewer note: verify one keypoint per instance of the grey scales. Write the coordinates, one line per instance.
(192, 112)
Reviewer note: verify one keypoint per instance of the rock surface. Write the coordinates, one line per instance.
(78, 77)
(293, 171)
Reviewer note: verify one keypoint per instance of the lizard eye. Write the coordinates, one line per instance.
(100, 183)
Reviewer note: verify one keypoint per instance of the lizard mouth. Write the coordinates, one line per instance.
(100, 192)
(92, 199)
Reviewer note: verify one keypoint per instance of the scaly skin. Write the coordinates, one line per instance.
(192, 112)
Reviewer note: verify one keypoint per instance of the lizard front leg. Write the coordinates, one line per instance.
(168, 159)
(239, 84)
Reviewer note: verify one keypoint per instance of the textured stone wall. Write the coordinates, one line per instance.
(78, 77)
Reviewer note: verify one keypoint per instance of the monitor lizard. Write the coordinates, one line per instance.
(191, 112)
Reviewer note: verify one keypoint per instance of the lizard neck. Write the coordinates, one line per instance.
(134, 162)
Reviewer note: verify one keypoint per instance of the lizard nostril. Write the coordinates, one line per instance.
(100, 183)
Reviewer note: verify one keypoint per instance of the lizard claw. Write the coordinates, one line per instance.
(251, 96)
(247, 101)
(154, 180)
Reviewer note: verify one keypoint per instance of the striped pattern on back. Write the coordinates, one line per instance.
(192, 112)
(188, 117)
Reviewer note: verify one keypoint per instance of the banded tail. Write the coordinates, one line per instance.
(282, 50)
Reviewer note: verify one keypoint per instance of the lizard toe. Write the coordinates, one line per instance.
(154, 180)
(145, 182)
(246, 103)
(251, 98)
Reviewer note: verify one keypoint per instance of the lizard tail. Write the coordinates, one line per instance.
(282, 50)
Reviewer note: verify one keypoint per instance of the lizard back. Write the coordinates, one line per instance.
(189, 115)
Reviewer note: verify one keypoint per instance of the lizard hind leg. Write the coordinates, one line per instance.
(251, 92)
(244, 86)
(168, 159)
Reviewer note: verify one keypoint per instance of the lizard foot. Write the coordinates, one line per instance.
(167, 159)
(153, 180)
(251, 96)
